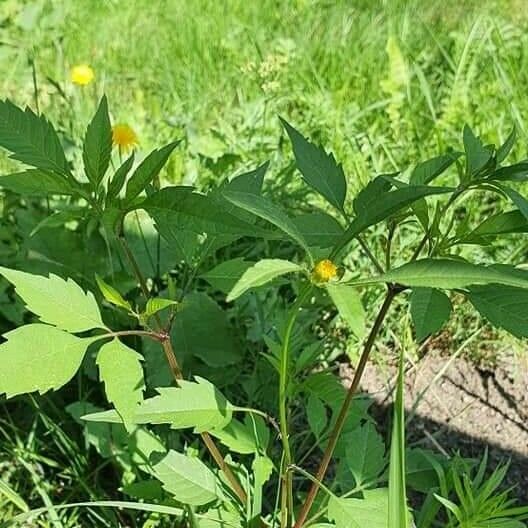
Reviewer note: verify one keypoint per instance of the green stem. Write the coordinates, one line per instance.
(286, 489)
(340, 422)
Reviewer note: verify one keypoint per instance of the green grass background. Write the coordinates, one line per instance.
(381, 83)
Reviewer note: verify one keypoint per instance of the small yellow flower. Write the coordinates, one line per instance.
(82, 74)
(324, 271)
(124, 137)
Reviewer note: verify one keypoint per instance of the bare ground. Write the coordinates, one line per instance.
(466, 410)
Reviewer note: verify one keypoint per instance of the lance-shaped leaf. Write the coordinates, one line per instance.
(477, 155)
(427, 171)
(503, 306)
(249, 181)
(267, 210)
(118, 179)
(121, 371)
(376, 203)
(147, 170)
(348, 303)
(505, 148)
(517, 172)
(261, 273)
(319, 169)
(187, 478)
(224, 276)
(319, 229)
(111, 294)
(452, 274)
(31, 139)
(35, 182)
(177, 208)
(56, 301)
(97, 147)
(371, 511)
(510, 222)
(430, 309)
(157, 304)
(195, 404)
(38, 357)
(516, 198)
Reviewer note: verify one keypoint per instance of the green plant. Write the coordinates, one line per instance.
(205, 235)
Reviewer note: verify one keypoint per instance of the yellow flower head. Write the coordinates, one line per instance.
(124, 137)
(82, 75)
(324, 271)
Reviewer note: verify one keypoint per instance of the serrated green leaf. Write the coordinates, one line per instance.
(38, 357)
(371, 511)
(503, 306)
(250, 436)
(505, 148)
(319, 169)
(111, 294)
(196, 404)
(202, 329)
(31, 139)
(452, 274)
(349, 305)
(118, 179)
(510, 222)
(147, 170)
(97, 147)
(365, 453)
(177, 209)
(267, 210)
(156, 304)
(319, 229)
(224, 276)
(261, 273)
(477, 155)
(517, 173)
(376, 203)
(56, 301)
(34, 182)
(121, 371)
(316, 415)
(430, 309)
(250, 181)
(188, 479)
(427, 171)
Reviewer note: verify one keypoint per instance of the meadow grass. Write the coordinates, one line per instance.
(382, 84)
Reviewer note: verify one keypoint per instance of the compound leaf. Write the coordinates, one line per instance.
(38, 357)
(56, 301)
(187, 478)
(121, 371)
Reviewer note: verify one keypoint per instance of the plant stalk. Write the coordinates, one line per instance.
(286, 477)
(338, 427)
(178, 376)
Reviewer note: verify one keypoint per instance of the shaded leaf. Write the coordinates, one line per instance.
(430, 309)
(427, 171)
(319, 229)
(477, 155)
(34, 182)
(118, 179)
(224, 276)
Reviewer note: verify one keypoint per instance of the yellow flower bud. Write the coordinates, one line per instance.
(324, 271)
